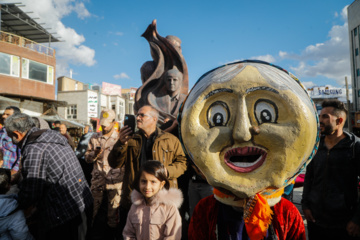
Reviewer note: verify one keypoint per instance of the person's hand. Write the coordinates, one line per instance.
(308, 215)
(353, 229)
(125, 134)
(198, 172)
(97, 151)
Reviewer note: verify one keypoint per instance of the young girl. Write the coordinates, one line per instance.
(154, 213)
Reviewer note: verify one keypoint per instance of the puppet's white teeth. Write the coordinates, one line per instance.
(246, 164)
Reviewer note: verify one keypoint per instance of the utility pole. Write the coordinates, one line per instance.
(348, 105)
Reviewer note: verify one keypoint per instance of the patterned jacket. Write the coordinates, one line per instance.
(53, 179)
(10, 151)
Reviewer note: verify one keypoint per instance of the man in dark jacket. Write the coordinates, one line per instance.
(54, 185)
(330, 193)
(149, 143)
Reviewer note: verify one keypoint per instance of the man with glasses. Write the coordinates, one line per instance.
(148, 143)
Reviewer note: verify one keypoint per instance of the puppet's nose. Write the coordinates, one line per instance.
(241, 131)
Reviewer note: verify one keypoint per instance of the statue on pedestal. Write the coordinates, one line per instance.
(165, 78)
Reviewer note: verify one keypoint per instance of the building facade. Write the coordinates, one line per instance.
(354, 29)
(85, 105)
(27, 65)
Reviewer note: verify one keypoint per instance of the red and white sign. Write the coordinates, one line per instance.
(111, 89)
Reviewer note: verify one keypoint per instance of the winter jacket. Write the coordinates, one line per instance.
(104, 178)
(286, 222)
(12, 220)
(53, 179)
(159, 220)
(331, 183)
(166, 149)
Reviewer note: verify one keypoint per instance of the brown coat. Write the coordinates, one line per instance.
(167, 149)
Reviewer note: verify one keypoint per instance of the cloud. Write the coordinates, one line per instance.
(267, 58)
(121, 76)
(330, 58)
(81, 10)
(71, 49)
(308, 84)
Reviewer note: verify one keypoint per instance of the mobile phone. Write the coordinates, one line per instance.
(130, 122)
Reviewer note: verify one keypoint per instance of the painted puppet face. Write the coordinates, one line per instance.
(248, 127)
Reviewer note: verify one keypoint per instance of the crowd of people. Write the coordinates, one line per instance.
(130, 185)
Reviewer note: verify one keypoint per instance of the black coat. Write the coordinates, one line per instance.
(331, 183)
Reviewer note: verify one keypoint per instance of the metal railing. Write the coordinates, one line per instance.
(26, 43)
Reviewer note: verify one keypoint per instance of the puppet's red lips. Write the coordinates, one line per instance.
(245, 159)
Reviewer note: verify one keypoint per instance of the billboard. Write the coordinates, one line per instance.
(92, 104)
(111, 89)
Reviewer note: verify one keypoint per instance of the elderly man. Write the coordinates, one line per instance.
(330, 196)
(149, 143)
(54, 184)
(106, 182)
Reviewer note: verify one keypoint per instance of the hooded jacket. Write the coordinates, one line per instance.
(53, 179)
(166, 149)
(12, 220)
(159, 220)
(331, 183)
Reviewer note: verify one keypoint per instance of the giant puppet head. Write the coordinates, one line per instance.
(250, 127)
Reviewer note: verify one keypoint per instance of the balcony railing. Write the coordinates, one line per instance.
(26, 43)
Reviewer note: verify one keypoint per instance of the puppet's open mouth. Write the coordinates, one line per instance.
(245, 159)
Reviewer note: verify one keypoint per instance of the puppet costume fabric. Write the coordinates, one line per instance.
(286, 224)
(236, 126)
(159, 220)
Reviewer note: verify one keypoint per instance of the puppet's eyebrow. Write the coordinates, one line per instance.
(213, 92)
(263, 88)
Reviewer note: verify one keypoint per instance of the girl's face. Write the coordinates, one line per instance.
(150, 185)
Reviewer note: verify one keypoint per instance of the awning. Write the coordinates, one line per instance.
(68, 123)
(15, 20)
(8, 100)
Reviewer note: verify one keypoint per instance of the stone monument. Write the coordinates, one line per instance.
(165, 80)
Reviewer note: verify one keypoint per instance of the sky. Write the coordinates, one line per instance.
(101, 40)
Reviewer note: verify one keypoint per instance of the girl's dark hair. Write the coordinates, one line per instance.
(155, 168)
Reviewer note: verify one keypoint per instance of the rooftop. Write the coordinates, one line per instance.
(15, 20)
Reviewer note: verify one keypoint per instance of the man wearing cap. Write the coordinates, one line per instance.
(106, 182)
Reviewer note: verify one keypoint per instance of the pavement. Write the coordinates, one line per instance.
(297, 202)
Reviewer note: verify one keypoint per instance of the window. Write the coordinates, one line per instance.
(72, 112)
(356, 51)
(358, 72)
(9, 64)
(355, 31)
(37, 71)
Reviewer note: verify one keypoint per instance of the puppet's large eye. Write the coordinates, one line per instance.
(265, 111)
(218, 114)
